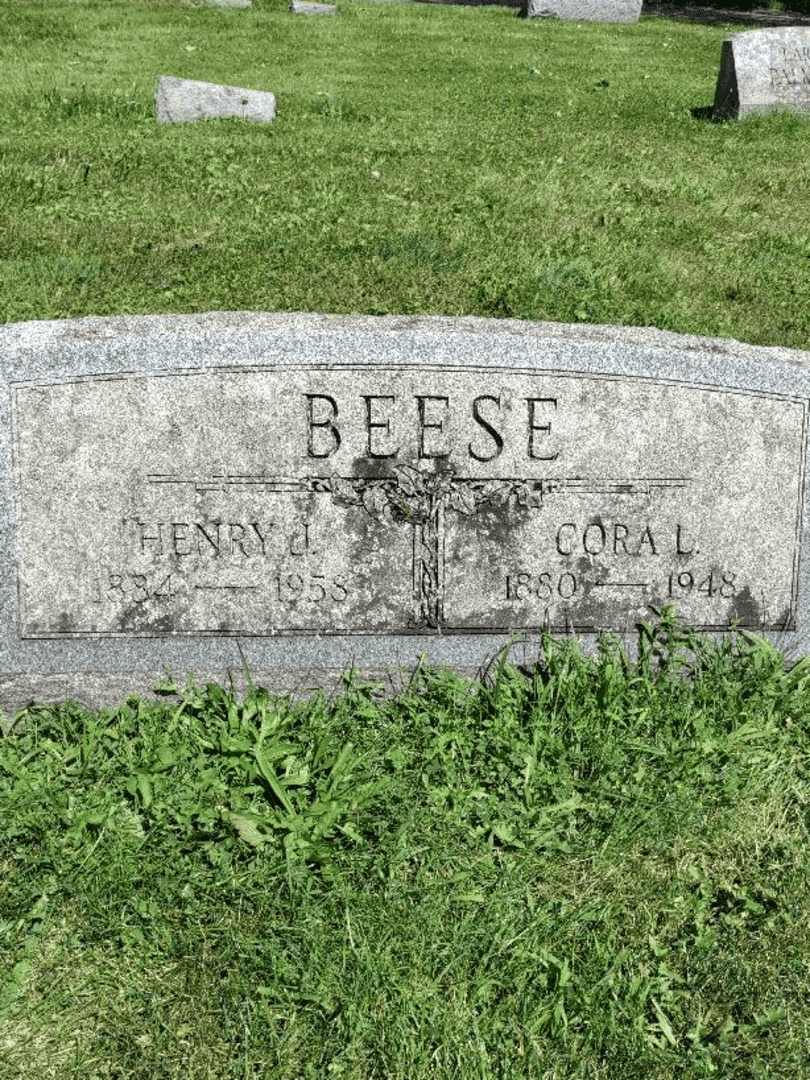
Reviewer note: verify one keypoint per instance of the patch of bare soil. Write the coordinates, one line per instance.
(757, 17)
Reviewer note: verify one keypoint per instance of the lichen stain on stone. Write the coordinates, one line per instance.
(501, 524)
(366, 468)
(745, 608)
(136, 618)
(787, 620)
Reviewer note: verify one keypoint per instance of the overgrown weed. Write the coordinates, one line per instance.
(597, 870)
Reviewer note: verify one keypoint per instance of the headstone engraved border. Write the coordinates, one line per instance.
(489, 485)
(773, 384)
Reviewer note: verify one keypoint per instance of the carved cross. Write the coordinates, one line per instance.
(420, 500)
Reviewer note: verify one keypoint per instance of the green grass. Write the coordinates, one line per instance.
(597, 871)
(424, 159)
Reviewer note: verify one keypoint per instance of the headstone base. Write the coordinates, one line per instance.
(96, 690)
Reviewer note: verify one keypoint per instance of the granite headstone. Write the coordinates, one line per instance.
(181, 101)
(303, 7)
(762, 70)
(325, 490)
(583, 10)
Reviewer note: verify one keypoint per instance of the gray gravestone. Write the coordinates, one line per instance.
(323, 490)
(227, 3)
(180, 101)
(584, 10)
(301, 7)
(764, 69)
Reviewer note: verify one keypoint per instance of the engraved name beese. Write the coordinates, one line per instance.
(494, 543)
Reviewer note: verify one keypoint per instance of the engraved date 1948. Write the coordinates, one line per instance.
(524, 585)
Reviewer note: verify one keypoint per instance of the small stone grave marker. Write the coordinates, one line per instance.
(583, 10)
(302, 7)
(181, 101)
(763, 69)
(327, 490)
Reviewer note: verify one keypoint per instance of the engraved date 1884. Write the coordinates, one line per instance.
(285, 588)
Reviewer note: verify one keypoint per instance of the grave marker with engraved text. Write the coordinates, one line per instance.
(762, 70)
(338, 489)
(407, 500)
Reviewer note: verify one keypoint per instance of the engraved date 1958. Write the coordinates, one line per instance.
(285, 588)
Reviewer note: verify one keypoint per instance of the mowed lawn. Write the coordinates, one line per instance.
(424, 159)
(597, 870)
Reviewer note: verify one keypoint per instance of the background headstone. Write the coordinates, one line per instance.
(333, 490)
(584, 10)
(302, 7)
(764, 69)
(227, 3)
(180, 101)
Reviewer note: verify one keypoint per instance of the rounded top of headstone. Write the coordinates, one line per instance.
(773, 32)
(96, 328)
